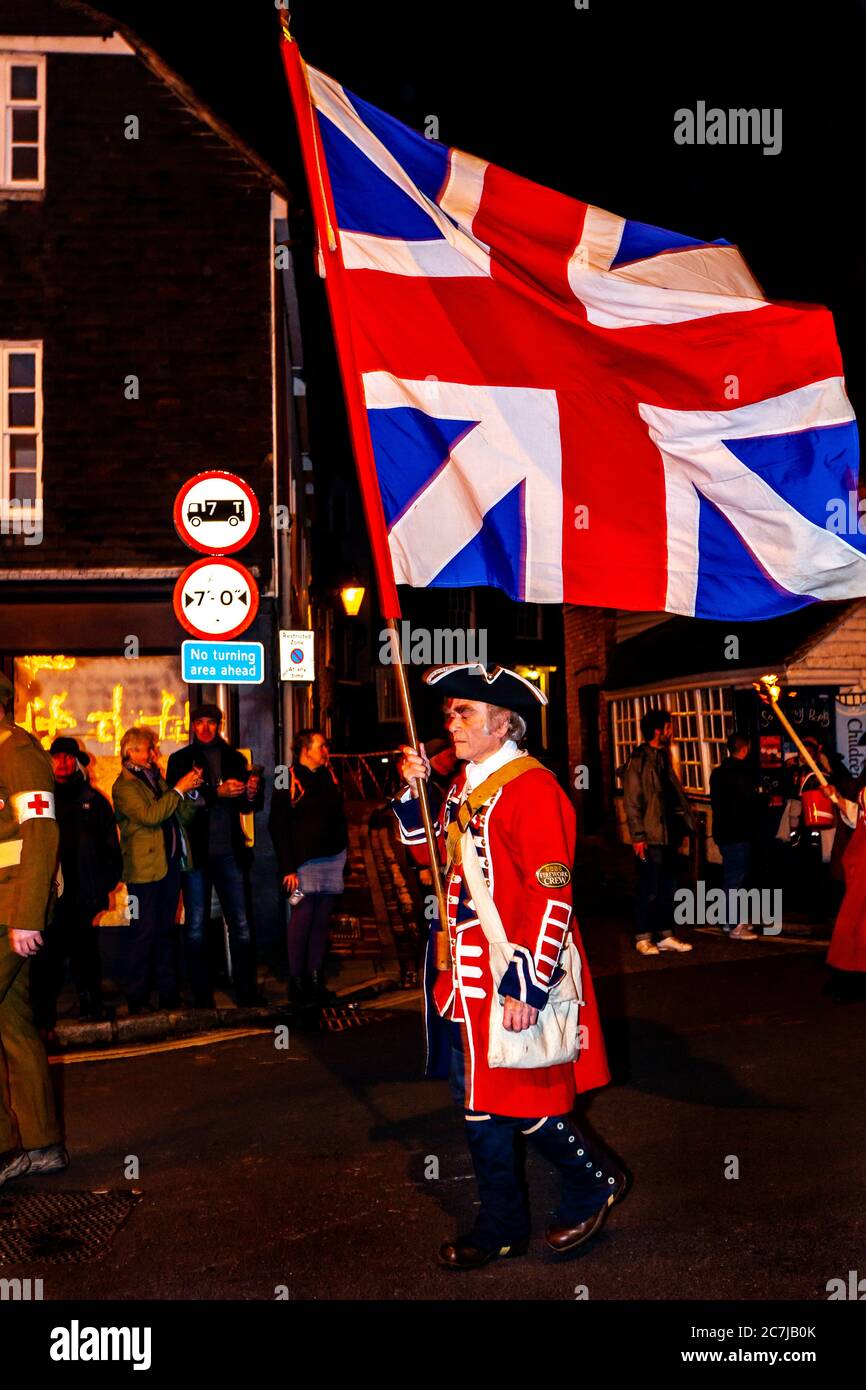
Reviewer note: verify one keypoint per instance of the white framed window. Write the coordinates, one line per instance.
(702, 719)
(22, 121)
(20, 428)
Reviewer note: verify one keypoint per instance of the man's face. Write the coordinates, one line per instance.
(465, 721)
(667, 734)
(317, 753)
(65, 766)
(205, 730)
(142, 754)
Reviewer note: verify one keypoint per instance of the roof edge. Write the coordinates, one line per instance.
(183, 91)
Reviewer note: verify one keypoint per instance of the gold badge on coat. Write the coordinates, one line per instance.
(553, 875)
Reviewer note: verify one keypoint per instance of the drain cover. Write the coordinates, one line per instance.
(60, 1227)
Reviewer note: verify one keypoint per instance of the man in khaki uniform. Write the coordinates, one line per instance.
(30, 1138)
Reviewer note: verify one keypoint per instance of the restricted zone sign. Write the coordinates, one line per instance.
(216, 598)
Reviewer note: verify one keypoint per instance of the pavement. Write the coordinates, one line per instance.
(329, 1169)
(375, 911)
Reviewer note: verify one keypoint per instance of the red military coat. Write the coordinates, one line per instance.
(527, 825)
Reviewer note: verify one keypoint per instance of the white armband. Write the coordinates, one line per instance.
(33, 806)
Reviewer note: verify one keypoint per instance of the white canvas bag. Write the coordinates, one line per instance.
(555, 1037)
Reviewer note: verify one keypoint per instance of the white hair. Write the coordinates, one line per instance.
(515, 728)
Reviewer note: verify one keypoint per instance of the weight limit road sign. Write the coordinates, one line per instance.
(216, 513)
(216, 598)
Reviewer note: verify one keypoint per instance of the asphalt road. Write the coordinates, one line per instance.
(305, 1168)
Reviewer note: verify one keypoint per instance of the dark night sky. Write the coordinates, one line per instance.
(584, 101)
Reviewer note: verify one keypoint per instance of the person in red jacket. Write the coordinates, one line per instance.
(524, 834)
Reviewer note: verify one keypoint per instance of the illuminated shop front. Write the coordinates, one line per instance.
(95, 699)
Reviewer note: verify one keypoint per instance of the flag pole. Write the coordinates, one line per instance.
(772, 691)
(331, 268)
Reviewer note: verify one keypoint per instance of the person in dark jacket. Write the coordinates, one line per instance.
(659, 817)
(220, 855)
(91, 866)
(737, 811)
(308, 828)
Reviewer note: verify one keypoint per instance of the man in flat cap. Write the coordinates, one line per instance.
(30, 1139)
(522, 828)
(91, 863)
(220, 856)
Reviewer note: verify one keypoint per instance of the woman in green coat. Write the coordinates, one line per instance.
(151, 817)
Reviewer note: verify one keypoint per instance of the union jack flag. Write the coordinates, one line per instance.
(564, 403)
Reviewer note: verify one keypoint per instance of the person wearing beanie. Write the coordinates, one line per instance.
(228, 789)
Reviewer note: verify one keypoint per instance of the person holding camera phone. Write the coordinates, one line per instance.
(308, 828)
(228, 789)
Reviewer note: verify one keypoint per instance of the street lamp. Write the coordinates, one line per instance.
(352, 596)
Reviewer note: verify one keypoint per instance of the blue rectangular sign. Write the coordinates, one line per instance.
(227, 663)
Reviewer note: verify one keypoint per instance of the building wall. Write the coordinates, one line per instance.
(590, 636)
(838, 659)
(145, 257)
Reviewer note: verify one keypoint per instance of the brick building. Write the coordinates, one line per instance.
(148, 332)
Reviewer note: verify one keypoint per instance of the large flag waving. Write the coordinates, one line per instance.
(563, 403)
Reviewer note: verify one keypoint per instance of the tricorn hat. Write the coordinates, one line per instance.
(469, 680)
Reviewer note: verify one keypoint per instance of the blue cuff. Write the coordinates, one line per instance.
(521, 982)
(408, 813)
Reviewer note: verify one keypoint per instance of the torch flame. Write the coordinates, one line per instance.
(771, 685)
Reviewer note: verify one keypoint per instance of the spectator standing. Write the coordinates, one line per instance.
(227, 790)
(151, 816)
(308, 828)
(91, 865)
(659, 817)
(737, 810)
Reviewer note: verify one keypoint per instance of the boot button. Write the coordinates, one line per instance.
(580, 1152)
(588, 1165)
(560, 1126)
(598, 1174)
(611, 1181)
(571, 1138)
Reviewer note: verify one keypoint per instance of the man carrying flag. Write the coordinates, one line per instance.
(509, 811)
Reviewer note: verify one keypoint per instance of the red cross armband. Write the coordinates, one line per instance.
(36, 805)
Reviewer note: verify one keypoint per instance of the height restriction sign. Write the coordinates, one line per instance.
(216, 598)
(216, 513)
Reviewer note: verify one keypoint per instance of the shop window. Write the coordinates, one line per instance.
(702, 719)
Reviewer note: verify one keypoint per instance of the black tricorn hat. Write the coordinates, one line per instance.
(495, 686)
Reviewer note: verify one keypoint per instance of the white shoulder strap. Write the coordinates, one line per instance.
(488, 913)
